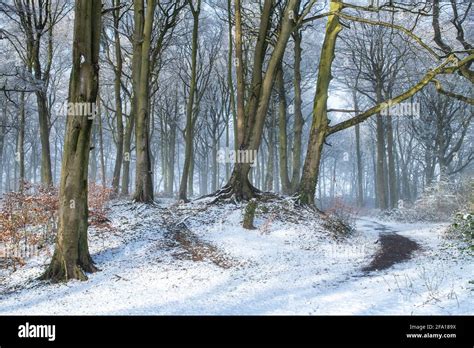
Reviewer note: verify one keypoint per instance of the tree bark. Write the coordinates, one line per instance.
(282, 134)
(392, 173)
(360, 189)
(103, 167)
(127, 153)
(143, 31)
(118, 99)
(298, 121)
(187, 172)
(43, 114)
(381, 194)
(171, 153)
(2, 143)
(319, 127)
(71, 255)
(230, 82)
(20, 155)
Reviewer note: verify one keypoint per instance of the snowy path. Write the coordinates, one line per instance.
(286, 271)
(434, 280)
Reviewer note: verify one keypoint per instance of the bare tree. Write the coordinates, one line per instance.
(71, 255)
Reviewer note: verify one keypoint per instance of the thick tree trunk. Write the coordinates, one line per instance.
(319, 127)
(239, 184)
(71, 256)
(143, 31)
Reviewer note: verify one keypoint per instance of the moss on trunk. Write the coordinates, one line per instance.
(249, 214)
(71, 256)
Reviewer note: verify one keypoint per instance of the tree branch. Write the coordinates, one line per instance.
(429, 76)
(440, 89)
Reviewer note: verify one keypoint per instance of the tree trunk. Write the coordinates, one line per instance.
(215, 164)
(118, 99)
(187, 173)
(93, 154)
(230, 82)
(360, 190)
(71, 256)
(271, 152)
(332, 188)
(392, 176)
(171, 160)
(282, 135)
(20, 156)
(101, 146)
(240, 76)
(43, 114)
(127, 154)
(298, 121)
(2, 144)
(191, 175)
(143, 32)
(319, 127)
(381, 184)
(249, 215)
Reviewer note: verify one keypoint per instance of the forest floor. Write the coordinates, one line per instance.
(196, 258)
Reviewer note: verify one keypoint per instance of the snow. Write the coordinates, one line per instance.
(282, 267)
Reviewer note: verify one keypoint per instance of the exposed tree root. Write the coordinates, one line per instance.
(228, 194)
(61, 272)
(62, 269)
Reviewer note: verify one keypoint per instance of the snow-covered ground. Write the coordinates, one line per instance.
(280, 268)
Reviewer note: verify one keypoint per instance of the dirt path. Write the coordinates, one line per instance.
(394, 249)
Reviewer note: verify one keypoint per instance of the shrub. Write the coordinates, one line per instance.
(462, 228)
(340, 218)
(28, 219)
(437, 203)
(98, 197)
